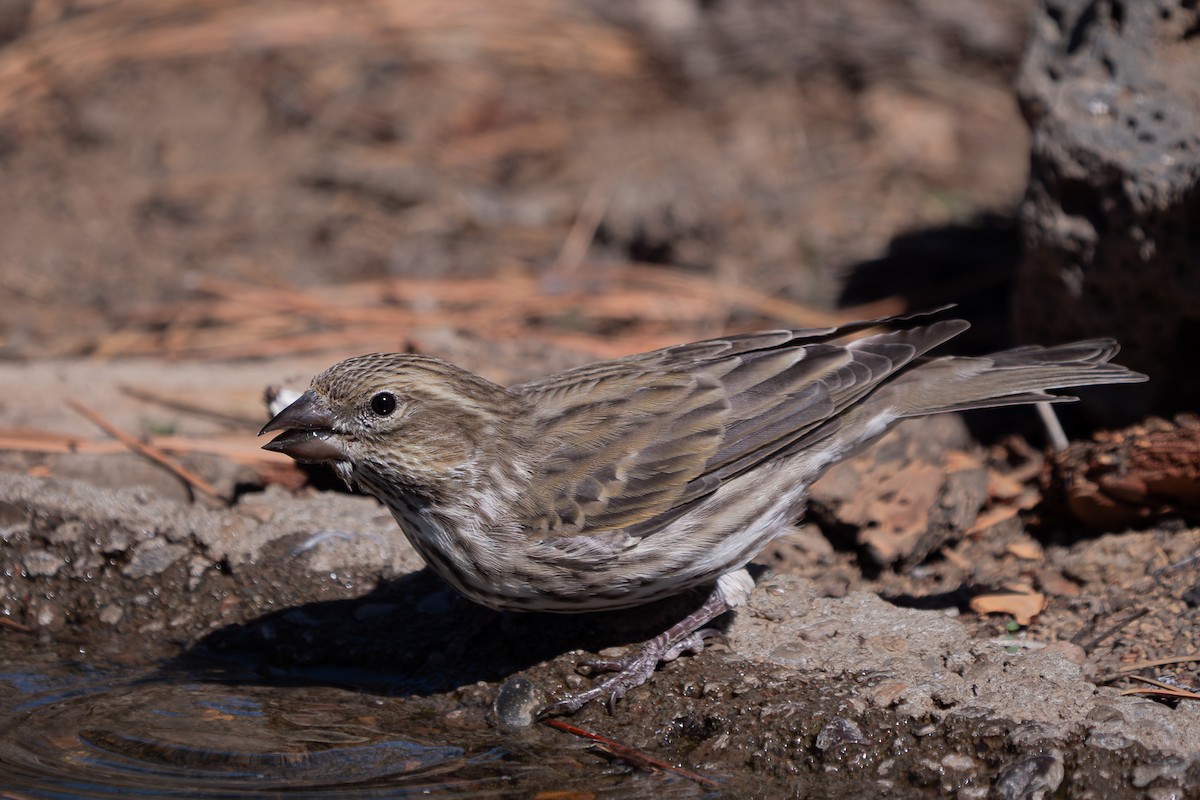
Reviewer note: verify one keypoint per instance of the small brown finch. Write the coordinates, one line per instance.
(628, 481)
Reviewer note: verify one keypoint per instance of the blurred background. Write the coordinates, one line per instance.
(515, 187)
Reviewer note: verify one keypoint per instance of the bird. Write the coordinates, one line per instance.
(627, 481)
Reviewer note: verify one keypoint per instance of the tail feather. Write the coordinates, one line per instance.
(1019, 376)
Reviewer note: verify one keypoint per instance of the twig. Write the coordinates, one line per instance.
(627, 753)
(582, 232)
(1177, 565)
(639, 304)
(147, 396)
(154, 454)
(1054, 428)
(1032, 460)
(16, 626)
(1181, 694)
(1136, 614)
(1159, 662)
(1161, 689)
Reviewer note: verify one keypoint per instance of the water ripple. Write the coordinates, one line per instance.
(84, 734)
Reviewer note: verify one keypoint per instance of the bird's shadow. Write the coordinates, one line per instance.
(416, 636)
(958, 598)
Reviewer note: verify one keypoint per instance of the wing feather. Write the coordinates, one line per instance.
(632, 444)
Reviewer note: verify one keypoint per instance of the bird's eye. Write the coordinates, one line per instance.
(383, 404)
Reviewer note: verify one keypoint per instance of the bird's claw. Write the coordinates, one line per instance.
(694, 644)
(629, 672)
(610, 690)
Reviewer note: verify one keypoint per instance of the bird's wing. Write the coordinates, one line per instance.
(631, 444)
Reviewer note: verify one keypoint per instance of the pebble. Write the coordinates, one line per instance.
(42, 564)
(1073, 652)
(1037, 776)
(153, 557)
(518, 702)
(111, 614)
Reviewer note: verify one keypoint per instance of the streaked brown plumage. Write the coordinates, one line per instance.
(631, 480)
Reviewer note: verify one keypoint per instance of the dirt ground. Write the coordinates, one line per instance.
(201, 200)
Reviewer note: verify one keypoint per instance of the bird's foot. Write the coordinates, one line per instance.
(627, 673)
(685, 636)
(632, 671)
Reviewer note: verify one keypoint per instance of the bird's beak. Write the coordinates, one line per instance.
(307, 427)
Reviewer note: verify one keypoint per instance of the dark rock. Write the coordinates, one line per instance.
(518, 702)
(1109, 218)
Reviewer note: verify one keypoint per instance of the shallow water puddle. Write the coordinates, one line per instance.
(79, 730)
(101, 733)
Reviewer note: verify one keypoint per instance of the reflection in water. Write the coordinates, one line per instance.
(69, 730)
(93, 737)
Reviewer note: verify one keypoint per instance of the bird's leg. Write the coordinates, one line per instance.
(685, 636)
(633, 671)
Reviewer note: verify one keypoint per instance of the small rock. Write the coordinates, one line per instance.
(957, 762)
(111, 614)
(793, 654)
(838, 732)
(1073, 652)
(1101, 715)
(115, 540)
(1108, 741)
(518, 702)
(46, 614)
(1031, 778)
(70, 532)
(834, 586)
(888, 693)
(889, 643)
(1172, 770)
(153, 557)
(42, 564)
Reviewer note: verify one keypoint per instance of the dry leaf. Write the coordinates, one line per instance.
(1055, 583)
(1028, 550)
(1020, 602)
(1003, 487)
(991, 518)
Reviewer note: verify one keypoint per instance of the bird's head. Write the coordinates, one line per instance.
(403, 421)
